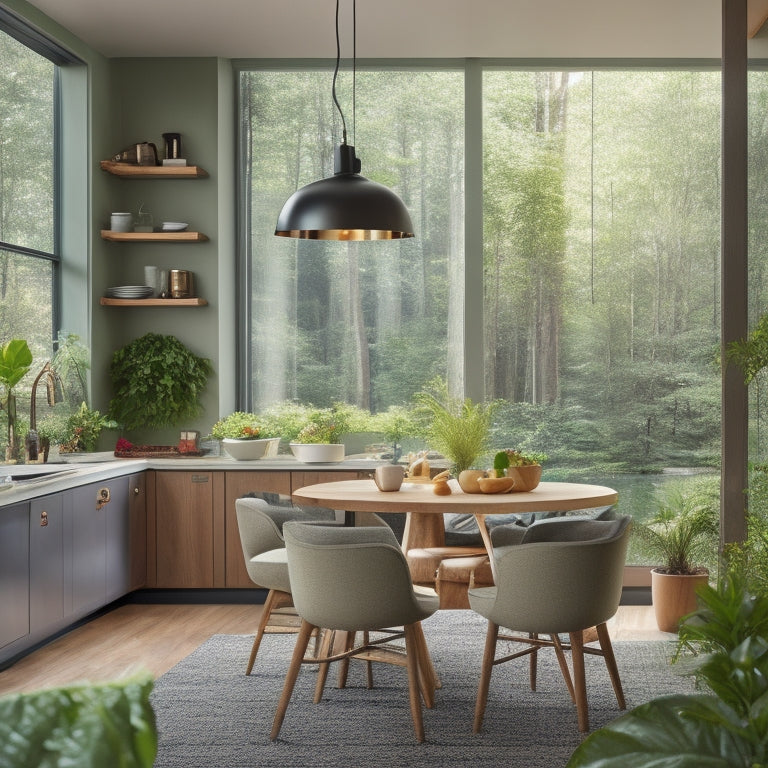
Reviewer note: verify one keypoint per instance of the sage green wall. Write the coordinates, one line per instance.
(151, 97)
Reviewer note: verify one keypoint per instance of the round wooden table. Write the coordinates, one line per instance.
(424, 506)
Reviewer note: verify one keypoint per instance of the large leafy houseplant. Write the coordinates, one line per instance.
(724, 727)
(157, 382)
(110, 724)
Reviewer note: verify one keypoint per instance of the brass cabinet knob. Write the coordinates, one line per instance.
(43, 519)
(102, 497)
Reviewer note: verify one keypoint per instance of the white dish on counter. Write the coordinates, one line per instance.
(318, 453)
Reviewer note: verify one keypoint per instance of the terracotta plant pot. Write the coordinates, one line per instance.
(674, 596)
(526, 478)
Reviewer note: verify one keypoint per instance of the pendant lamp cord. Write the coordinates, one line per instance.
(335, 75)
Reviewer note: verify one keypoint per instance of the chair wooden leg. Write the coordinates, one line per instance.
(426, 679)
(368, 665)
(579, 679)
(302, 641)
(322, 668)
(533, 662)
(489, 654)
(348, 639)
(275, 599)
(425, 660)
(560, 653)
(610, 662)
(412, 665)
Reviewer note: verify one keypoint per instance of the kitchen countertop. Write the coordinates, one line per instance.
(55, 477)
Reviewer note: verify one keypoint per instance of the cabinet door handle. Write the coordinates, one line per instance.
(136, 491)
(102, 497)
(43, 519)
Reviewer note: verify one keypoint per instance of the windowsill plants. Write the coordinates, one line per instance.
(320, 440)
(244, 438)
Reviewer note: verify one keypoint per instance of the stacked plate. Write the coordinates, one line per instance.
(130, 292)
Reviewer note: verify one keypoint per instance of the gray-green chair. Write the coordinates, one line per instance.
(559, 576)
(356, 580)
(261, 535)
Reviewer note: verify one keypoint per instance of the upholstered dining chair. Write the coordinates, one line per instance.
(260, 525)
(356, 580)
(559, 576)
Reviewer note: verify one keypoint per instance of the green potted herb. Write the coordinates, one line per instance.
(244, 437)
(157, 382)
(681, 536)
(525, 468)
(83, 429)
(455, 427)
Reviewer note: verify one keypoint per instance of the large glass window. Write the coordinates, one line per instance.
(367, 322)
(600, 255)
(28, 255)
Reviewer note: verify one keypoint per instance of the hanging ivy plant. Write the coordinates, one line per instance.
(157, 382)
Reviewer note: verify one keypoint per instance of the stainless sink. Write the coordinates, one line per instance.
(31, 474)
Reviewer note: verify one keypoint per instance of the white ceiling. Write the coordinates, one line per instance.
(395, 28)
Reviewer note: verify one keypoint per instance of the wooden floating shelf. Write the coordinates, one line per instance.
(153, 237)
(105, 302)
(129, 171)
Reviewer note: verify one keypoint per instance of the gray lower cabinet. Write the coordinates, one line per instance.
(14, 574)
(65, 555)
(100, 544)
(46, 564)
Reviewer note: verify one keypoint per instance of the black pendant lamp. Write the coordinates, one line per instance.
(346, 206)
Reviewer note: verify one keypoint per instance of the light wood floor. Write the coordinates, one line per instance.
(155, 637)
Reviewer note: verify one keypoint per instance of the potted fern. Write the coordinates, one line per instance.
(455, 427)
(682, 535)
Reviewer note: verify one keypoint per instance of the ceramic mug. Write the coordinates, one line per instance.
(389, 477)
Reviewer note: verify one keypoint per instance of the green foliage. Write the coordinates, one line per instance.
(750, 558)
(157, 382)
(326, 425)
(15, 361)
(71, 362)
(83, 428)
(683, 532)
(395, 423)
(724, 728)
(459, 429)
(751, 354)
(240, 425)
(81, 726)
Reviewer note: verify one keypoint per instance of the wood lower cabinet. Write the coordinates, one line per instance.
(240, 484)
(187, 550)
(192, 537)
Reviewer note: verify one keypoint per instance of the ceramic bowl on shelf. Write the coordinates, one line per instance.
(250, 450)
(174, 226)
(318, 453)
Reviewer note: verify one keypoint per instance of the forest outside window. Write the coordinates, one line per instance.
(599, 313)
(28, 250)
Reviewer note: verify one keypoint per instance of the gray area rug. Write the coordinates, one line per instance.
(211, 715)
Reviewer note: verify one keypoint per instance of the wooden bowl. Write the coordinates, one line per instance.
(468, 480)
(526, 478)
(496, 484)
